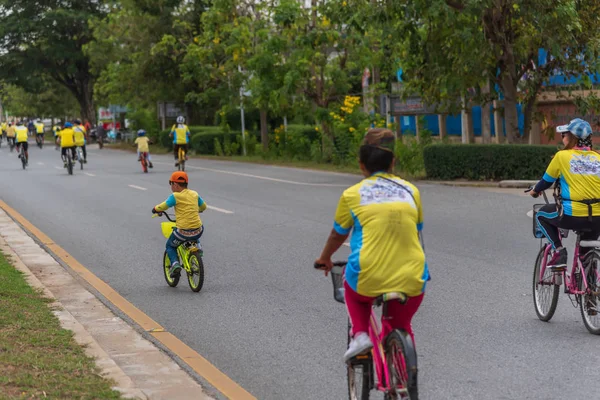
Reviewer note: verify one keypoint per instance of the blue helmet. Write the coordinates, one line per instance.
(68, 125)
(578, 127)
(141, 132)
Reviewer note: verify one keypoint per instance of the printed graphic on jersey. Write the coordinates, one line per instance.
(381, 191)
(585, 165)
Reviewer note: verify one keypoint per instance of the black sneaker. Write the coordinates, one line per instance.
(150, 165)
(558, 260)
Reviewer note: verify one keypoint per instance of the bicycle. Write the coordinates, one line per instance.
(79, 153)
(69, 160)
(393, 356)
(583, 281)
(190, 258)
(22, 156)
(181, 158)
(39, 140)
(11, 143)
(144, 161)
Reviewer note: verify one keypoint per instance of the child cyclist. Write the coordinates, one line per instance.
(187, 205)
(143, 143)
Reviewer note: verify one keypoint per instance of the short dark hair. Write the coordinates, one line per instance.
(183, 185)
(375, 158)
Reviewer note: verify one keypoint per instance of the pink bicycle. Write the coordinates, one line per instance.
(582, 283)
(393, 356)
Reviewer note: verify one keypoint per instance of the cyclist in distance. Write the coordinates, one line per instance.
(66, 136)
(577, 168)
(39, 130)
(385, 216)
(143, 146)
(80, 136)
(181, 137)
(21, 134)
(187, 205)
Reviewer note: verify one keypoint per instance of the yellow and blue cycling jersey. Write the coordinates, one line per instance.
(79, 131)
(187, 205)
(39, 128)
(386, 253)
(579, 173)
(181, 134)
(21, 132)
(3, 126)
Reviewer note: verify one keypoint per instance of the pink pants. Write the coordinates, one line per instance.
(359, 311)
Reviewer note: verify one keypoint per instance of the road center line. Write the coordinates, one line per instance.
(219, 209)
(58, 167)
(530, 213)
(40, 163)
(137, 187)
(266, 178)
(88, 174)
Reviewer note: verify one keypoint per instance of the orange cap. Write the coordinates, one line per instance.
(179, 177)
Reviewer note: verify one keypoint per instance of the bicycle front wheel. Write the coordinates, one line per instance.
(589, 301)
(401, 363)
(166, 270)
(545, 290)
(196, 273)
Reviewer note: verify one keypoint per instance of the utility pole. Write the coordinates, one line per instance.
(242, 115)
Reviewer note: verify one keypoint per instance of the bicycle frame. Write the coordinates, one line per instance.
(569, 279)
(377, 336)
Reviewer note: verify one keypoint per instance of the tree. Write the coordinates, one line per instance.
(45, 39)
(456, 46)
(55, 101)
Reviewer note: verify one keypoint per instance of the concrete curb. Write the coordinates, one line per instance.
(107, 365)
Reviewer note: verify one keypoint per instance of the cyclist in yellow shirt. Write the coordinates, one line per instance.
(3, 127)
(67, 142)
(187, 205)
(55, 130)
(80, 136)
(10, 135)
(143, 143)
(21, 135)
(385, 216)
(39, 131)
(181, 137)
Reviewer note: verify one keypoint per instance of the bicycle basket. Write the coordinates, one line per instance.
(537, 232)
(167, 228)
(337, 277)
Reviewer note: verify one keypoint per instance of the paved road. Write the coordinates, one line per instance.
(268, 320)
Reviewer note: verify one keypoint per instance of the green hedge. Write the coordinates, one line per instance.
(486, 162)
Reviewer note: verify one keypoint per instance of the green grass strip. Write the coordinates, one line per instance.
(39, 359)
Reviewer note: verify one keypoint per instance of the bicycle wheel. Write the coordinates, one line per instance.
(401, 362)
(196, 274)
(545, 291)
(69, 164)
(80, 158)
(589, 301)
(166, 268)
(23, 159)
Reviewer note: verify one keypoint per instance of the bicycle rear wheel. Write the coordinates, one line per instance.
(166, 268)
(23, 159)
(69, 164)
(196, 274)
(401, 362)
(144, 164)
(589, 301)
(545, 291)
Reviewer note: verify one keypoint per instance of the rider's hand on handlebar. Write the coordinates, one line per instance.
(324, 264)
(154, 211)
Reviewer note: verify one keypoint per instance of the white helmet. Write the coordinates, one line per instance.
(180, 119)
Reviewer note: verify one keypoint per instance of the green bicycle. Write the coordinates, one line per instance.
(190, 258)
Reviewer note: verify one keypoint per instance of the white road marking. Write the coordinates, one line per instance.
(266, 178)
(530, 213)
(88, 174)
(137, 187)
(40, 163)
(58, 167)
(219, 210)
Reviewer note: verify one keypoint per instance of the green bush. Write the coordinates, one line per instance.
(204, 143)
(486, 162)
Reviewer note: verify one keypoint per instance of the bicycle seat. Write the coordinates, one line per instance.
(401, 297)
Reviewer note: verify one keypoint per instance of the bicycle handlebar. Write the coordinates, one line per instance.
(543, 192)
(335, 264)
(161, 213)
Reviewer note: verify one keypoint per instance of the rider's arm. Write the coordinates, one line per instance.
(201, 204)
(165, 205)
(550, 176)
(342, 226)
